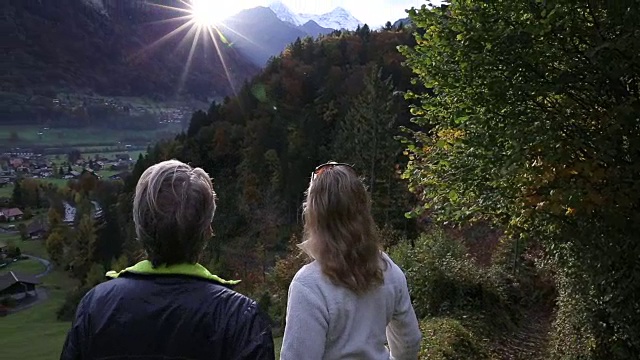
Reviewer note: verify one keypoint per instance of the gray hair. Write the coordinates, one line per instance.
(173, 209)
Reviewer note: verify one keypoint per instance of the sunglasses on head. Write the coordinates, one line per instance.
(321, 168)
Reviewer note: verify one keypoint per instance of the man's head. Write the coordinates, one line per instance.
(172, 211)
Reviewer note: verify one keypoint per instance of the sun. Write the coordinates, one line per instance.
(210, 12)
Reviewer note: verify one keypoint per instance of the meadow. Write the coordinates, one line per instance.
(35, 135)
(35, 333)
(29, 266)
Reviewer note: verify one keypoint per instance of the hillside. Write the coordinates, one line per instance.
(72, 47)
(290, 118)
(260, 34)
(313, 29)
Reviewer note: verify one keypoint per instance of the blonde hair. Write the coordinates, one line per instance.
(339, 230)
(173, 209)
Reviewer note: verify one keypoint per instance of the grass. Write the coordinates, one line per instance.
(29, 266)
(35, 333)
(37, 135)
(112, 154)
(6, 191)
(27, 247)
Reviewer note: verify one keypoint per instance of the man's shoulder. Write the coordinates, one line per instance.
(201, 291)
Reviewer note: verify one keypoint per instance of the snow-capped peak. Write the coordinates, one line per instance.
(338, 19)
(285, 14)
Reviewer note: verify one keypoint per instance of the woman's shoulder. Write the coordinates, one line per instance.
(309, 273)
(392, 269)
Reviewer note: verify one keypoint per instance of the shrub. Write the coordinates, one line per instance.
(22, 228)
(68, 309)
(443, 280)
(447, 339)
(572, 337)
(279, 279)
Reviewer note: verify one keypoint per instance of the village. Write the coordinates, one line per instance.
(22, 225)
(39, 166)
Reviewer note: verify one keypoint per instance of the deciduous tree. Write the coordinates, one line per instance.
(533, 124)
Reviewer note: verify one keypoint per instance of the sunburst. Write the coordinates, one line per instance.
(201, 20)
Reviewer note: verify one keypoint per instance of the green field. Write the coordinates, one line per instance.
(6, 191)
(25, 135)
(35, 333)
(29, 266)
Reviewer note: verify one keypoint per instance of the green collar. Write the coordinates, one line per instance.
(146, 268)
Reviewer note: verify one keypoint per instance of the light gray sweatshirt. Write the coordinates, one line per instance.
(329, 322)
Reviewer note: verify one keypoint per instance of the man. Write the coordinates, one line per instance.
(169, 306)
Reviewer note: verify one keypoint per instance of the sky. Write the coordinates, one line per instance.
(373, 12)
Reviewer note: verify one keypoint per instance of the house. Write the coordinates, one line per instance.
(70, 212)
(120, 176)
(120, 166)
(42, 172)
(37, 228)
(16, 162)
(123, 157)
(8, 175)
(96, 165)
(72, 175)
(10, 214)
(90, 172)
(13, 283)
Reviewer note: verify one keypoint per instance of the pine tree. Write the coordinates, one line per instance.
(17, 196)
(365, 137)
(95, 275)
(83, 247)
(55, 247)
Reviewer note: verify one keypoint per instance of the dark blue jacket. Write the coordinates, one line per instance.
(181, 312)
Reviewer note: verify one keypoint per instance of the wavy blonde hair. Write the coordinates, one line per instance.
(339, 230)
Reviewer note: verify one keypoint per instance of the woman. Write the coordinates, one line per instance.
(352, 299)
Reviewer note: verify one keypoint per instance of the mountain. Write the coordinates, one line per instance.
(313, 29)
(105, 48)
(338, 19)
(402, 23)
(259, 34)
(285, 14)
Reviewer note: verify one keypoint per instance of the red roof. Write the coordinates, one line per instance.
(11, 212)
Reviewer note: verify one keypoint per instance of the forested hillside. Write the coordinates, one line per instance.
(67, 46)
(333, 98)
(337, 97)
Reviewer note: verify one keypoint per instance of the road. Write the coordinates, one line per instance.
(45, 262)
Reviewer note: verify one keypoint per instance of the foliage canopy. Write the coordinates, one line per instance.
(533, 124)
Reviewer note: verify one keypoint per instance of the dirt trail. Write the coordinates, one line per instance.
(530, 340)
